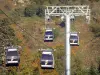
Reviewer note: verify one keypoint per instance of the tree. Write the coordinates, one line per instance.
(15, 16)
(40, 11)
(92, 71)
(53, 2)
(4, 22)
(76, 66)
(39, 2)
(30, 11)
(95, 28)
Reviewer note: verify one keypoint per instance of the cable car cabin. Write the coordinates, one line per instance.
(48, 36)
(74, 39)
(12, 57)
(47, 60)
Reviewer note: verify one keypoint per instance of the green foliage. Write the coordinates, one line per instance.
(42, 2)
(7, 36)
(26, 71)
(54, 2)
(20, 11)
(98, 62)
(94, 0)
(1, 12)
(97, 0)
(5, 30)
(1, 60)
(39, 2)
(40, 11)
(64, 1)
(33, 10)
(95, 28)
(30, 11)
(4, 22)
(93, 71)
(60, 59)
(12, 72)
(36, 9)
(77, 66)
(36, 71)
(15, 16)
(56, 33)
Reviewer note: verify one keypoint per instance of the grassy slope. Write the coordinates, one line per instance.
(27, 57)
(83, 51)
(26, 54)
(28, 23)
(29, 63)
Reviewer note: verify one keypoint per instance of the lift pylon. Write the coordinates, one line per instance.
(68, 11)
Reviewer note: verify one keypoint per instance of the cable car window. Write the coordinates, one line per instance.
(49, 33)
(73, 37)
(47, 57)
(12, 53)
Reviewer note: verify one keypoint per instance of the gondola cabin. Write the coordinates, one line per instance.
(12, 56)
(47, 59)
(74, 39)
(48, 36)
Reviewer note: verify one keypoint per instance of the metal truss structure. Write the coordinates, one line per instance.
(68, 10)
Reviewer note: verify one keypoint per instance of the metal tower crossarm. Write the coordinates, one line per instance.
(74, 10)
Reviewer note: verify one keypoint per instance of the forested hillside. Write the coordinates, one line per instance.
(22, 23)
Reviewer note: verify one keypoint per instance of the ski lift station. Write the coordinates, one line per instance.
(12, 56)
(47, 59)
(48, 36)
